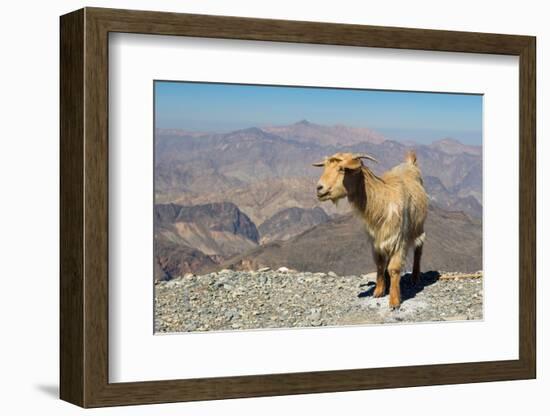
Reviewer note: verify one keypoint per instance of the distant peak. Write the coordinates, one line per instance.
(249, 130)
(303, 122)
(448, 140)
(454, 146)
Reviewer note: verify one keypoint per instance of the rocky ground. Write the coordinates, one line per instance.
(230, 300)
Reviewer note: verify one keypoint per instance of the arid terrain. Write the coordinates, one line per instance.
(244, 200)
(284, 298)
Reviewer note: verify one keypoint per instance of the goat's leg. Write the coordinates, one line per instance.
(416, 265)
(394, 270)
(381, 263)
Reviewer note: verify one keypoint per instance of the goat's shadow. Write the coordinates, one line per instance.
(408, 288)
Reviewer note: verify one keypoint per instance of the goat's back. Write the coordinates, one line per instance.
(407, 177)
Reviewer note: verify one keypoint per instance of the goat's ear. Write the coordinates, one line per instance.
(319, 164)
(351, 164)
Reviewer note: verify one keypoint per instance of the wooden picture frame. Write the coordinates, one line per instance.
(84, 207)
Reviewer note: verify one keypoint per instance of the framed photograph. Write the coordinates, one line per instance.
(254, 207)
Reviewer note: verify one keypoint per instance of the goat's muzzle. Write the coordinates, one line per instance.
(322, 193)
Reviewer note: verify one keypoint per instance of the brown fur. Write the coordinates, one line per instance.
(393, 207)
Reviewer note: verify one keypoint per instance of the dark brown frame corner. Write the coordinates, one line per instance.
(84, 209)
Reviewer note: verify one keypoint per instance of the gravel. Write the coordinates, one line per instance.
(285, 298)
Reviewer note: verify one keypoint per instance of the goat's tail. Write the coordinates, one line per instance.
(410, 157)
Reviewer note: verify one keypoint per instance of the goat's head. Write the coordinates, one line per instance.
(339, 175)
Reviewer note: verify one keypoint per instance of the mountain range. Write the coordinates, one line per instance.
(242, 198)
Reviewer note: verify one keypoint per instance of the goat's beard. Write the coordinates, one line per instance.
(335, 201)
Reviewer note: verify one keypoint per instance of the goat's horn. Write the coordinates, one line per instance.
(364, 156)
(318, 164)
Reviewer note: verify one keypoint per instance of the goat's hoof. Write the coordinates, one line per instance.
(378, 293)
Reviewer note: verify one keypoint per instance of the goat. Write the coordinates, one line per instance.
(393, 207)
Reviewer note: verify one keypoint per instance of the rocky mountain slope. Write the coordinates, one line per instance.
(263, 199)
(461, 200)
(453, 242)
(290, 222)
(174, 259)
(188, 238)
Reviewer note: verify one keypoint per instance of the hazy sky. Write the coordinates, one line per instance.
(422, 117)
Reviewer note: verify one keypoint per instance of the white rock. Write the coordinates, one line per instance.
(369, 276)
(264, 269)
(283, 269)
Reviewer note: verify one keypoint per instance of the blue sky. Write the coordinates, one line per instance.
(422, 117)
